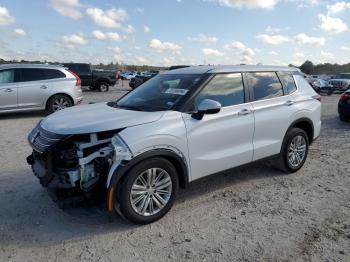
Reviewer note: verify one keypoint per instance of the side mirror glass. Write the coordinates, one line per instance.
(207, 107)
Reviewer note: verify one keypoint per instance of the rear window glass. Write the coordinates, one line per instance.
(288, 81)
(265, 85)
(32, 74)
(53, 74)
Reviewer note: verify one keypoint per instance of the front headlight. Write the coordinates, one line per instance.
(122, 151)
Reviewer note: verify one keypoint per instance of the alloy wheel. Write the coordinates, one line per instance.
(151, 191)
(297, 151)
(60, 103)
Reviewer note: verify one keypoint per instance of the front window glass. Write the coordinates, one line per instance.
(7, 76)
(227, 89)
(160, 93)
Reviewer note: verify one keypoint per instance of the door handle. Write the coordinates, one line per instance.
(244, 112)
(8, 90)
(43, 87)
(289, 103)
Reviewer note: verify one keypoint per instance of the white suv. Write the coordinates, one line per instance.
(177, 127)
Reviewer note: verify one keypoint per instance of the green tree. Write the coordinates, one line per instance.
(307, 67)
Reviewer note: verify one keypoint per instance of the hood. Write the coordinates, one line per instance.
(95, 118)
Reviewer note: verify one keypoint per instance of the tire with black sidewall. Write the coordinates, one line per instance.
(125, 189)
(51, 105)
(343, 118)
(283, 161)
(103, 87)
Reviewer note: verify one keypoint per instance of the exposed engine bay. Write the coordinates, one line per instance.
(74, 166)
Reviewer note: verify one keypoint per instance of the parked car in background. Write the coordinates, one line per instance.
(27, 87)
(322, 86)
(344, 106)
(178, 127)
(99, 80)
(140, 79)
(129, 76)
(341, 82)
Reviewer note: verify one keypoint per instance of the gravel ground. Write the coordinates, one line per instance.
(252, 214)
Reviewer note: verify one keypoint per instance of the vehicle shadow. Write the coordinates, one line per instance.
(333, 123)
(30, 218)
(19, 115)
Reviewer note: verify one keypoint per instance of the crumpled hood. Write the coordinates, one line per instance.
(95, 118)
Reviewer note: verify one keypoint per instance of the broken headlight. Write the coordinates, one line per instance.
(122, 151)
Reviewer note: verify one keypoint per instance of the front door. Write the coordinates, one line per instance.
(8, 90)
(224, 140)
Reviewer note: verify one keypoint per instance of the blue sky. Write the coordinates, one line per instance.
(169, 32)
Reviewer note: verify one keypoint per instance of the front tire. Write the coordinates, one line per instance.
(148, 191)
(294, 150)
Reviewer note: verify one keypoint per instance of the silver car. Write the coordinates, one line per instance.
(26, 87)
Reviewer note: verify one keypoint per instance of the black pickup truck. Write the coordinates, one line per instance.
(94, 79)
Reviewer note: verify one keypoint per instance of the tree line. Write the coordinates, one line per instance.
(307, 67)
(329, 69)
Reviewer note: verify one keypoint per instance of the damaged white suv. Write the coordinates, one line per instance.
(177, 127)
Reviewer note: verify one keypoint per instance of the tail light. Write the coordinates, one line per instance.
(78, 81)
(317, 97)
(345, 97)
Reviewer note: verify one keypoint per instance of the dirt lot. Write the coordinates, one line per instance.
(252, 214)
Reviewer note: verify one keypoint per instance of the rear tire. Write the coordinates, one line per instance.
(157, 194)
(343, 118)
(294, 150)
(59, 102)
(103, 87)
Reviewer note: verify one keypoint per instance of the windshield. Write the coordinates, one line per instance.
(160, 93)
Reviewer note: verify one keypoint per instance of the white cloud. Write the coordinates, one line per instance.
(164, 46)
(20, 32)
(146, 29)
(246, 52)
(332, 25)
(111, 18)
(106, 36)
(275, 30)
(327, 55)
(211, 52)
(5, 17)
(69, 8)
(273, 39)
(273, 53)
(202, 38)
(130, 29)
(303, 39)
(248, 3)
(345, 48)
(299, 54)
(338, 7)
(142, 60)
(72, 40)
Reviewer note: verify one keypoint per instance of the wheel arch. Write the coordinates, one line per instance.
(122, 169)
(305, 124)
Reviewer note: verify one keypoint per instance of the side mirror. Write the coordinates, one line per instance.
(207, 107)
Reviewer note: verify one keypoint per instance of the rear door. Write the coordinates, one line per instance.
(33, 89)
(223, 140)
(8, 89)
(273, 108)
